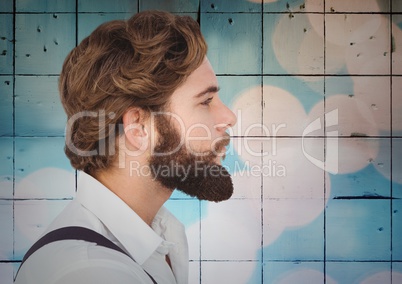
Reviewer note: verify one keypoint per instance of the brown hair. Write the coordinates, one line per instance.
(138, 62)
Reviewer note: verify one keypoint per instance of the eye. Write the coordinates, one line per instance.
(207, 101)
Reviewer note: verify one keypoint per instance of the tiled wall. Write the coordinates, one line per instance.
(316, 156)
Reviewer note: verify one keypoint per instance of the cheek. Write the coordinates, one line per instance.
(199, 137)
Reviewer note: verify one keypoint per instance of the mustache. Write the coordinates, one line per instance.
(221, 143)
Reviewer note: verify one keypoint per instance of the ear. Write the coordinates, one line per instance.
(134, 120)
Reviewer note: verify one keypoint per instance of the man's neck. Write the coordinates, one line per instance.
(142, 194)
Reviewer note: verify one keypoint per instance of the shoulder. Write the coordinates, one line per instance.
(79, 262)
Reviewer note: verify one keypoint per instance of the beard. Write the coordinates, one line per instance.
(197, 175)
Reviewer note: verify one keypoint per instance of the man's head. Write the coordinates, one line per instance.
(139, 63)
(127, 76)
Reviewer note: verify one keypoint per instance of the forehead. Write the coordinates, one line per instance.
(201, 79)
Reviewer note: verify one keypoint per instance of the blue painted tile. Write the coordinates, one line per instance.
(6, 167)
(230, 272)
(364, 169)
(6, 233)
(397, 229)
(397, 40)
(7, 272)
(294, 272)
(396, 6)
(397, 270)
(28, 151)
(350, 155)
(293, 6)
(308, 90)
(232, 87)
(353, 6)
(291, 104)
(296, 243)
(357, 118)
(396, 106)
(242, 94)
(6, 44)
(171, 5)
(42, 170)
(293, 44)
(368, 182)
(397, 167)
(358, 272)
(6, 105)
(234, 42)
(194, 272)
(87, 23)
(107, 6)
(219, 6)
(6, 6)
(352, 49)
(38, 110)
(291, 175)
(223, 221)
(363, 104)
(45, 6)
(43, 42)
(358, 230)
(335, 85)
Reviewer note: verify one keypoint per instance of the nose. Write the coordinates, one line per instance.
(226, 118)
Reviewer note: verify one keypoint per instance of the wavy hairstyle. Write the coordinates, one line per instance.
(139, 62)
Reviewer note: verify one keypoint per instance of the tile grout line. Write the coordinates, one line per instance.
(391, 134)
(262, 144)
(13, 124)
(324, 150)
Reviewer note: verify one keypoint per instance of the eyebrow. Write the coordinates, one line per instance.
(210, 89)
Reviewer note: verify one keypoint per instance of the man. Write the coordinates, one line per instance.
(144, 118)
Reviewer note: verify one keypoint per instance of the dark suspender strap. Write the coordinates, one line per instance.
(76, 233)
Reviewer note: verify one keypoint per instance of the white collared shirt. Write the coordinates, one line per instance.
(79, 262)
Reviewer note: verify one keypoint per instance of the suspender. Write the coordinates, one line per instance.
(75, 233)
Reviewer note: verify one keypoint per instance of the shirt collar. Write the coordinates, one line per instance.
(130, 230)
